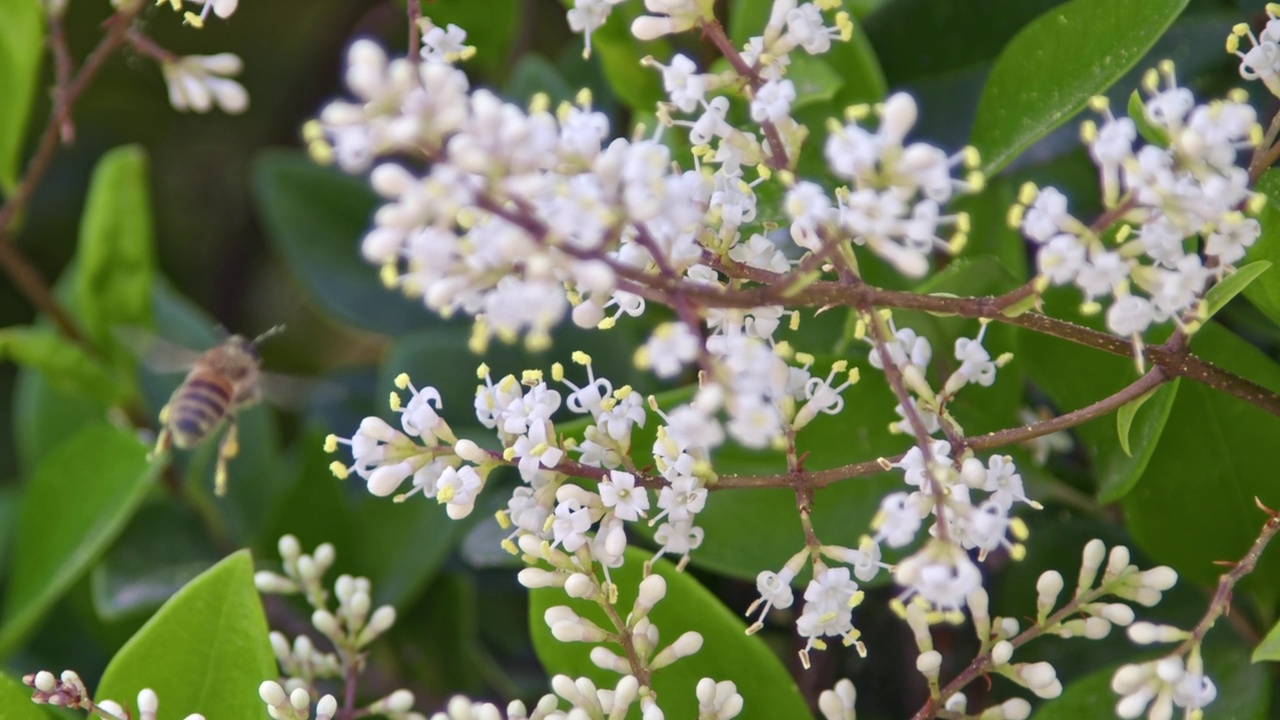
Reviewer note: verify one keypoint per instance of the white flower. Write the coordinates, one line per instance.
(772, 102)
(620, 493)
(199, 82)
(898, 519)
(1045, 217)
(941, 573)
(685, 87)
(571, 525)
(682, 499)
(671, 346)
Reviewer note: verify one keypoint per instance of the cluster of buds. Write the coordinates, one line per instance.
(69, 691)
(349, 628)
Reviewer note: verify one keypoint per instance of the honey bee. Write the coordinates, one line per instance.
(222, 381)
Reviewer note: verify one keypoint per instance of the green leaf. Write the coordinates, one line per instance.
(1222, 293)
(205, 650)
(535, 74)
(63, 363)
(162, 549)
(1055, 64)
(104, 472)
(1269, 648)
(115, 259)
(1126, 414)
(727, 653)
(15, 701)
(1244, 692)
(990, 233)
(315, 218)
(21, 46)
(1194, 505)
(1265, 292)
(816, 81)
(1137, 111)
(1053, 364)
(638, 87)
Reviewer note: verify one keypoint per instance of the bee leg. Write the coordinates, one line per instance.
(163, 439)
(228, 448)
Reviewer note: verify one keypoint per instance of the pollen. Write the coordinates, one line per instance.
(557, 372)
(339, 470)
(394, 401)
(331, 443)
(581, 358)
(531, 377)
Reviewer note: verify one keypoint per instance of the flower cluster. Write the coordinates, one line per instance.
(68, 691)
(1182, 185)
(349, 628)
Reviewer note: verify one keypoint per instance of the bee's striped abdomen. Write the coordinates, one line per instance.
(196, 408)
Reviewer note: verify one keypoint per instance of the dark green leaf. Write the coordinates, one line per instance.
(15, 701)
(727, 653)
(62, 363)
(1265, 292)
(46, 417)
(21, 46)
(1124, 419)
(1054, 366)
(1055, 64)
(79, 499)
(315, 218)
(1222, 293)
(164, 547)
(1194, 505)
(115, 263)
(205, 651)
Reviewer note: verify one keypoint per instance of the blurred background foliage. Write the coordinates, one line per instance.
(245, 232)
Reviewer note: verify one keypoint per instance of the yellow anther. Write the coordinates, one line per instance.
(557, 372)
(839, 366)
(764, 172)
(580, 357)
(1018, 552)
(845, 25)
(1166, 67)
(583, 98)
(539, 103)
(957, 243)
(331, 443)
(1027, 193)
(312, 131)
(445, 494)
(805, 358)
(623, 392)
(641, 358)
(1099, 103)
(606, 324)
(1151, 81)
(1018, 528)
(193, 20)
(389, 274)
(503, 518)
(395, 401)
(509, 454)
(482, 371)
(1088, 131)
(854, 376)
(402, 380)
(1014, 217)
(321, 152)
(510, 547)
(794, 323)
(531, 377)
(1233, 42)
(339, 470)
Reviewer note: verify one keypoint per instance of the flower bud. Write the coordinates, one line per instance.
(271, 693)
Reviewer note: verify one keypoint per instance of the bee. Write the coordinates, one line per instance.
(222, 381)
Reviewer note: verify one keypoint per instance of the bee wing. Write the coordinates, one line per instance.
(158, 354)
(292, 392)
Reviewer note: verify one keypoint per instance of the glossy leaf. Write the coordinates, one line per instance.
(15, 701)
(205, 650)
(816, 81)
(727, 653)
(21, 47)
(1053, 364)
(1194, 505)
(162, 549)
(62, 363)
(1055, 64)
(1265, 291)
(115, 258)
(105, 471)
(1137, 112)
(315, 218)
(1235, 283)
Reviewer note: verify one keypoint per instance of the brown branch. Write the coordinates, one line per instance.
(778, 152)
(414, 8)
